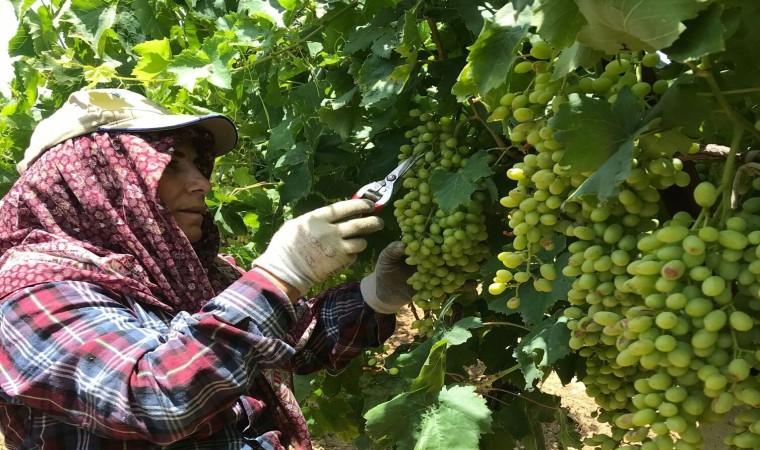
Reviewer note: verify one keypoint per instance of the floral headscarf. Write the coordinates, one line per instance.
(87, 210)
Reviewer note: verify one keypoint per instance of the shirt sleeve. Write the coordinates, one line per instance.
(79, 353)
(335, 326)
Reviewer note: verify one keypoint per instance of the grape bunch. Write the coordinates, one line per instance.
(446, 247)
(663, 313)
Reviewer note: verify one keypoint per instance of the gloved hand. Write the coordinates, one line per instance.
(310, 248)
(385, 290)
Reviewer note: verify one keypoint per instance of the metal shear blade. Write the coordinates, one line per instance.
(381, 191)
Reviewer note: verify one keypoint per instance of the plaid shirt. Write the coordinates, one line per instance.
(82, 367)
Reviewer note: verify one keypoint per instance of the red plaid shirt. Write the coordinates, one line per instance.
(82, 367)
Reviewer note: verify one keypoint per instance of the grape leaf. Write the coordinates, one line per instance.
(433, 371)
(568, 435)
(577, 55)
(375, 83)
(296, 184)
(682, 106)
(592, 130)
(542, 347)
(470, 14)
(328, 415)
(703, 36)
(451, 189)
(412, 37)
(561, 20)
(91, 18)
(605, 181)
(155, 58)
(457, 422)
(146, 16)
(21, 44)
(493, 53)
(41, 29)
(534, 304)
(616, 25)
(208, 63)
(269, 9)
(397, 421)
(459, 332)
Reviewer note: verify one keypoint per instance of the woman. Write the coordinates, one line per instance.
(121, 327)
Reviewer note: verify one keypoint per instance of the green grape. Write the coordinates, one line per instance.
(523, 67)
(650, 59)
(705, 194)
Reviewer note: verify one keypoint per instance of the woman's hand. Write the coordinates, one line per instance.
(312, 247)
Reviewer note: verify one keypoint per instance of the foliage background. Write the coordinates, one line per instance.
(321, 92)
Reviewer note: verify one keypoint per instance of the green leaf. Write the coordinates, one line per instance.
(433, 371)
(577, 55)
(465, 85)
(542, 347)
(617, 25)
(263, 8)
(91, 18)
(21, 43)
(592, 130)
(605, 181)
(683, 106)
(397, 421)
(523, 418)
(283, 136)
(561, 20)
(290, 5)
(470, 14)
(41, 29)
(535, 304)
(340, 121)
(457, 422)
(492, 55)
(296, 184)
(453, 189)
(298, 154)
(329, 415)
(148, 18)
(363, 37)
(568, 435)
(703, 36)
(156, 56)
(210, 64)
(459, 332)
(375, 83)
(412, 36)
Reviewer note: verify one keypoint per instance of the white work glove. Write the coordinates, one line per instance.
(310, 248)
(385, 290)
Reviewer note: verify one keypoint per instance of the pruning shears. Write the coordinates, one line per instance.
(381, 191)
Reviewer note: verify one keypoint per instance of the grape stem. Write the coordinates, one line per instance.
(739, 127)
(505, 324)
(731, 92)
(728, 173)
(499, 141)
(722, 101)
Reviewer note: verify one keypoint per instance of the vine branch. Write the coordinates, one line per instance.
(436, 37)
(499, 141)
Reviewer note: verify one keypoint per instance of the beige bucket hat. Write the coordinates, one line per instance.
(93, 110)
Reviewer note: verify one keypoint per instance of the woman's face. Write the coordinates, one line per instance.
(182, 189)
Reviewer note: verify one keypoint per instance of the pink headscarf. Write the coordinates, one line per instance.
(87, 210)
